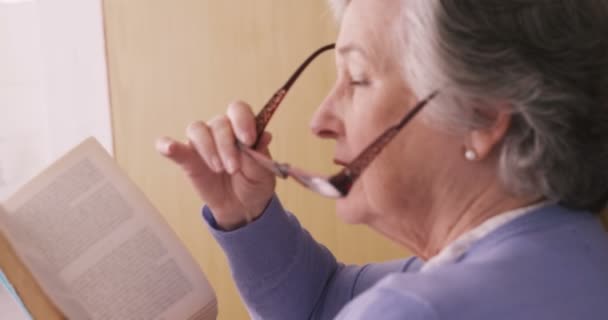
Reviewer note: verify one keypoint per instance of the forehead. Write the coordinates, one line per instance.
(369, 24)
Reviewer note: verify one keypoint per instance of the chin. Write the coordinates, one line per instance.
(351, 212)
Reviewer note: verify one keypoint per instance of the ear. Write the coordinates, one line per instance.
(483, 140)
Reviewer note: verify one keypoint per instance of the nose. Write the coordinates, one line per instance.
(327, 122)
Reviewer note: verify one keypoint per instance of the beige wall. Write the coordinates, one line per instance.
(175, 61)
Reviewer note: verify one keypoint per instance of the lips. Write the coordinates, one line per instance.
(340, 162)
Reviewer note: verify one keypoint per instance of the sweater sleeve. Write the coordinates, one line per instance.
(283, 273)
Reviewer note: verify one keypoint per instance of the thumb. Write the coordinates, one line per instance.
(250, 167)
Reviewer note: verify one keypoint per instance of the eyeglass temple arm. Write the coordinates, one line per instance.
(347, 176)
(263, 117)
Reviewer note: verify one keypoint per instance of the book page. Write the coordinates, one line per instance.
(98, 247)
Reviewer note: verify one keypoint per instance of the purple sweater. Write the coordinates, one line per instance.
(549, 264)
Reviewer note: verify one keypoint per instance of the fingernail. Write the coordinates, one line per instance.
(247, 139)
(168, 147)
(217, 164)
(162, 145)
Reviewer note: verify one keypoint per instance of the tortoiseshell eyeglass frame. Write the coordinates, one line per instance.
(340, 184)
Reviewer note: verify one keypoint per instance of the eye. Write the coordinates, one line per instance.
(359, 82)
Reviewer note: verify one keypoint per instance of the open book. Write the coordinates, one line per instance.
(98, 248)
(11, 306)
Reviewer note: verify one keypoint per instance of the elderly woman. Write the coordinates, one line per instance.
(494, 184)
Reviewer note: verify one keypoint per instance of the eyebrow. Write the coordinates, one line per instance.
(352, 48)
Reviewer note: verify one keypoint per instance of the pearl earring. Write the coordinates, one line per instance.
(470, 155)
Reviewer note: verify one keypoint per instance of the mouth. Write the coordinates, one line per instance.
(340, 162)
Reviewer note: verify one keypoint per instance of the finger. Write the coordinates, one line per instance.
(225, 141)
(183, 155)
(249, 166)
(243, 122)
(165, 146)
(201, 138)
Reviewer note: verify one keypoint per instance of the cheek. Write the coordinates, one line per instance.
(373, 111)
(379, 191)
(388, 181)
(404, 175)
(381, 188)
(363, 124)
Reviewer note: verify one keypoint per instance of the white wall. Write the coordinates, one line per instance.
(53, 83)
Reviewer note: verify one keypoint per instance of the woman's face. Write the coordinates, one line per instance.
(369, 96)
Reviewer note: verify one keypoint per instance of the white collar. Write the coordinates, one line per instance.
(458, 247)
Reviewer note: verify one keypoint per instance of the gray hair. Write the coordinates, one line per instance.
(546, 59)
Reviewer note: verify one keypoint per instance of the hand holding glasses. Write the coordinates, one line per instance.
(339, 184)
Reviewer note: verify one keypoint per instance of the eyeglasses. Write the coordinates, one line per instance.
(340, 184)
